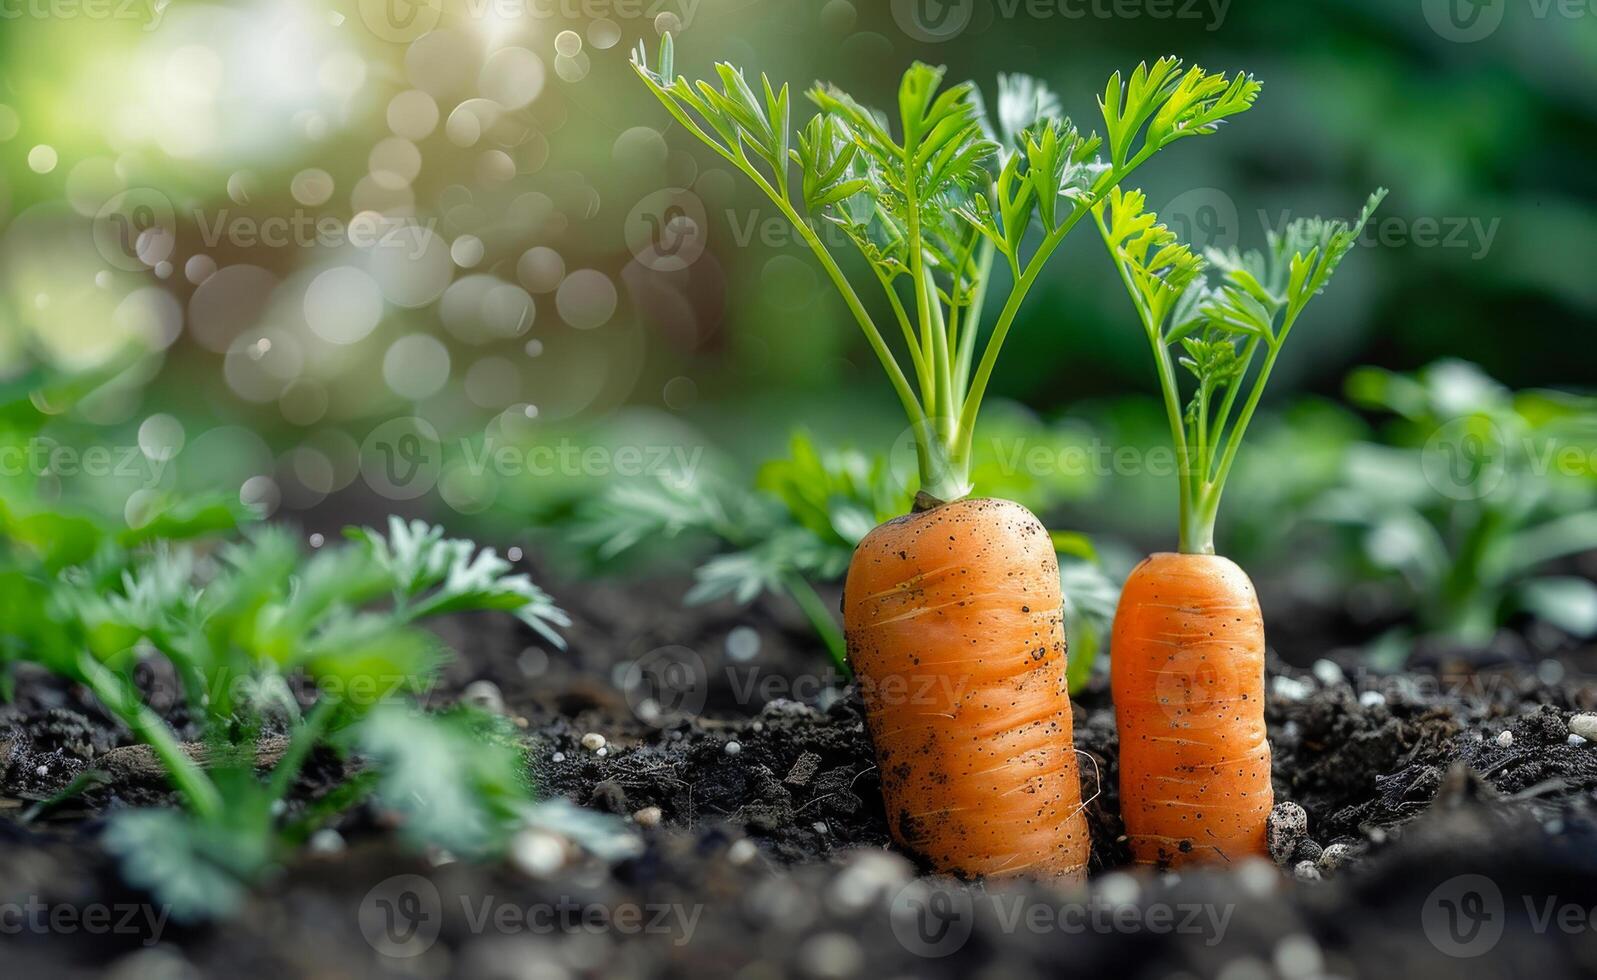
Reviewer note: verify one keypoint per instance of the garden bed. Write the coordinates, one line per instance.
(765, 847)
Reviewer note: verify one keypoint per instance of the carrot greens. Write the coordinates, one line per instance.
(1217, 333)
(933, 204)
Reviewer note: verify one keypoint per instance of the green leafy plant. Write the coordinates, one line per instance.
(277, 653)
(932, 204)
(1473, 493)
(1227, 336)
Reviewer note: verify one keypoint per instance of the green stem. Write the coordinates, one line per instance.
(305, 738)
(814, 609)
(153, 731)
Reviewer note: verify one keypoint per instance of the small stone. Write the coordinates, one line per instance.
(831, 956)
(41, 770)
(820, 827)
(1327, 673)
(733, 748)
(601, 752)
(1575, 740)
(536, 853)
(1307, 850)
(558, 757)
(1289, 688)
(1585, 726)
(327, 841)
(1505, 739)
(803, 770)
(1306, 871)
(742, 851)
(649, 816)
(1372, 699)
(484, 696)
(1288, 824)
(593, 741)
(1335, 857)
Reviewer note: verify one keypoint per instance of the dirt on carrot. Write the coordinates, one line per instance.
(1188, 682)
(956, 635)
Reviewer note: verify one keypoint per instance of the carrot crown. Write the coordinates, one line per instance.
(932, 204)
(1220, 329)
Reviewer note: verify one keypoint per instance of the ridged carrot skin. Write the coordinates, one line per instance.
(956, 634)
(1187, 671)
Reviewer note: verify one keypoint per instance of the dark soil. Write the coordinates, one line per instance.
(770, 857)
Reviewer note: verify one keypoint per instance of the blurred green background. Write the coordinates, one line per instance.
(321, 219)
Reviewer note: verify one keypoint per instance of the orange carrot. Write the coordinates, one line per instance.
(1187, 651)
(956, 634)
(1188, 677)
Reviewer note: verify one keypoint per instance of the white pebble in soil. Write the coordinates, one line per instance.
(536, 853)
(1505, 739)
(1585, 726)
(593, 741)
(1372, 699)
(742, 851)
(649, 816)
(733, 748)
(1288, 825)
(743, 643)
(1306, 871)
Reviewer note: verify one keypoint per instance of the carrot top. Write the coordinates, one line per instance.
(932, 206)
(1220, 330)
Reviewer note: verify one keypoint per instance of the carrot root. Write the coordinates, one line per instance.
(955, 629)
(1187, 670)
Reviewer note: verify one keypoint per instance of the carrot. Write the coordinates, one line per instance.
(1188, 679)
(955, 629)
(1187, 650)
(978, 770)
